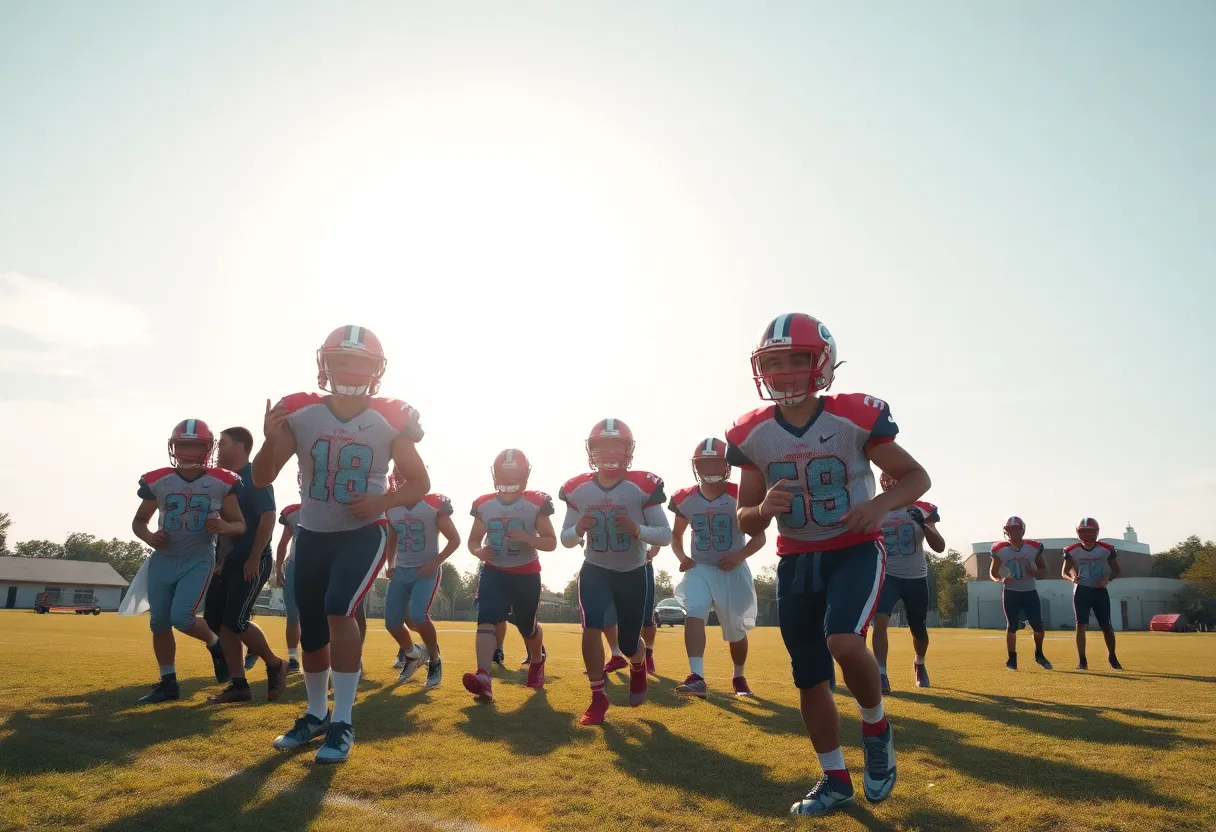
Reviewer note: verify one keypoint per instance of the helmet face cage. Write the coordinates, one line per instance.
(1015, 523)
(510, 472)
(610, 446)
(710, 450)
(191, 445)
(353, 341)
(794, 333)
(1087, 530)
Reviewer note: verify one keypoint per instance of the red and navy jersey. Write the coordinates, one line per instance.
(185, 506)
(1018, 560)
(606, 545)
(714, 523)
(341, 459)
(1092, 565)
(500, 516)
(904, 540)
(417, 528)
(826, 464)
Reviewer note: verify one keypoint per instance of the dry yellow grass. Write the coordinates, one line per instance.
(983, 749)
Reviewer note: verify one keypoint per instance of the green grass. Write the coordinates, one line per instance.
(983, 749)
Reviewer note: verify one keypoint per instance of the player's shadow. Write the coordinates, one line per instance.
(650, 753)
(388, 712)
(533, 730)
(1059, 779)
(234, 803)
(1181, 677)
(106, 726)
(1063, 721)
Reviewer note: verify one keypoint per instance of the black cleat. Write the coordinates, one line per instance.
(500, 658)
(1114, 662)
(1083, 664)
(162, 691)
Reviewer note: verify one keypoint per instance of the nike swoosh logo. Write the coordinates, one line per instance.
(364, 427)
(823, 439)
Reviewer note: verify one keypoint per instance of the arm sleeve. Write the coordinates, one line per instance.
(656, 531)
(569, 533)
(736, 457)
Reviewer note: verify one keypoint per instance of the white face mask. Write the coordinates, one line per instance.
(786, 399)
(708, 480)
(507, 489)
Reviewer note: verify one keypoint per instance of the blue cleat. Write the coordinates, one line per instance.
(825, 796)
(337, 744)
(879, 776)
(306, 729)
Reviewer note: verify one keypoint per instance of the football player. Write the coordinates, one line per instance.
(617, 660)
(620, 513)
(514, 524)
(806, 464)
(905, 532)
(1017, 562)
(1091, 565)
(285, 570)
(414, 580)
(344, 442)
(717, 574)
(196, 502)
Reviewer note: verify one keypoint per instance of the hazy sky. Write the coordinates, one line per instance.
(553, 213)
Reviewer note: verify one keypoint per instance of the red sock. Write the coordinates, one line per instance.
(840, 775)
(873, 729)
(597, 686)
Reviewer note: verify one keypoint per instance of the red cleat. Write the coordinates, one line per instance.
(536, 675)
(637, 686)
(478, 684)
(616, 663)
(650, 663)
(740, 685)
(596, 711)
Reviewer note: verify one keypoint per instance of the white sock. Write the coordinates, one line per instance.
(413, 652)
(317, 686)
(697, 665)
(616, 651)
(882, 668)
(345, 687)
(832, 761)
(919, 660)
(168, 669)
(872, 715)
(738, 670)
(293, 653)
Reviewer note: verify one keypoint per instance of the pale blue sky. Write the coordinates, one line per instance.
(551, 214)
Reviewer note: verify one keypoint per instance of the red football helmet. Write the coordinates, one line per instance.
(794, 333)
(886, 481)
(1015, 522)
(1087, 531)
(712, 454)
(610, 446)
(191, 445)
(351, 362)
(510, 471)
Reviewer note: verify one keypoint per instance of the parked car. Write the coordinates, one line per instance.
(669, 611)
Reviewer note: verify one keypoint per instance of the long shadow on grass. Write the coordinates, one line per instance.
(653, 754)
(1063, 721)
(955, 750)
(533, 730)
(226, 804)
(106, 726)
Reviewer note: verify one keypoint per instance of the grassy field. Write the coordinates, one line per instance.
(983, 749)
